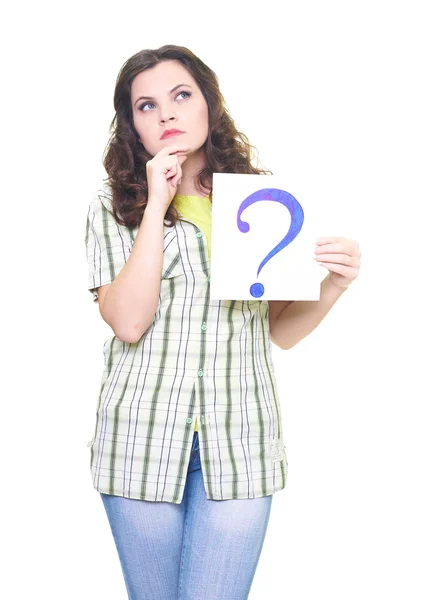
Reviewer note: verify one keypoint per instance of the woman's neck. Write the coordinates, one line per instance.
(194, 163)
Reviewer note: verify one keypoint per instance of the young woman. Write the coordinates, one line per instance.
(188, 445)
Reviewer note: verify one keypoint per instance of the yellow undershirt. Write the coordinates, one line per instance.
(198, 210)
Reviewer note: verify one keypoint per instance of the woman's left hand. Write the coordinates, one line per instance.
(341, 256)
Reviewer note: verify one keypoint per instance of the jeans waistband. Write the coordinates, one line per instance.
(195, 444)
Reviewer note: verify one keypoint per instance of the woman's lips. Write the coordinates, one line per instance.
(172, 134)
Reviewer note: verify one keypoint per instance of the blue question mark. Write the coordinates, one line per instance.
(297, 219)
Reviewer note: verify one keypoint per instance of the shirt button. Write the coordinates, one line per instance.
(204, 327)
(200, 373)
(199, 234)
(189, 420)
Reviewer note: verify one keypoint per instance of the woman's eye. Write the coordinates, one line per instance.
(147, 103)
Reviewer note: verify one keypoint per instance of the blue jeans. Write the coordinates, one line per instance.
(200, 549)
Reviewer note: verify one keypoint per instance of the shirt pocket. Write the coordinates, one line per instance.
(172, 262)
(242, 305)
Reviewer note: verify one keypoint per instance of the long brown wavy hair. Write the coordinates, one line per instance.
(227, 150)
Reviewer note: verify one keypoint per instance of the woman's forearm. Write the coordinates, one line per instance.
(132, 299)
(301, 317)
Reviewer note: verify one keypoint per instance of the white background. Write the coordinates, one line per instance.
(349, 98)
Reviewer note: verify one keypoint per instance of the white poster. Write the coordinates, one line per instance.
(263, 238)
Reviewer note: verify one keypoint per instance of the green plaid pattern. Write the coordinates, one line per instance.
(200, 358)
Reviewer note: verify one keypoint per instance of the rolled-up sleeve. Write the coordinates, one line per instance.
(108, 244)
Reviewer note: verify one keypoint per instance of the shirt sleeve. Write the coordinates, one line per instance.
(108, 244)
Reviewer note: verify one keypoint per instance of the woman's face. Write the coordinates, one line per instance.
(185, 108)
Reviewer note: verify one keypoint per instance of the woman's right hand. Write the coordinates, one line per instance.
(164, 172)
